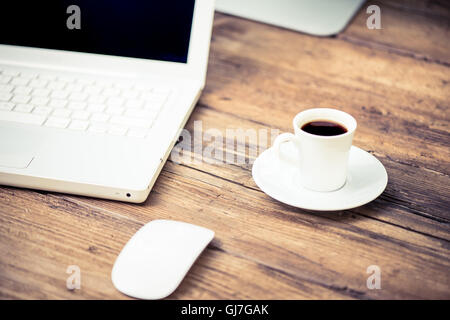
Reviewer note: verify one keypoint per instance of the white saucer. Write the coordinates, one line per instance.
(367, 179)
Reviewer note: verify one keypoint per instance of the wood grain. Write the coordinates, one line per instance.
(431, 25)
(395, 81)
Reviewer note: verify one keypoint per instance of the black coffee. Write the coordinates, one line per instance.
(324, 128)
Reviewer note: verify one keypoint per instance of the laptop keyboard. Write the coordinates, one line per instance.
(80, 103)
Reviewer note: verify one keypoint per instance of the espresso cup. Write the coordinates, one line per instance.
(322, 160)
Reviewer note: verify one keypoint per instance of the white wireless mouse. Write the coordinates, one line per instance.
(155, 260)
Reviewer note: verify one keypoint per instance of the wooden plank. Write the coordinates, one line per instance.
(39, 241)
(431, 200)
(277, 84)
(334, 252)
(419, 29)
(440, 8)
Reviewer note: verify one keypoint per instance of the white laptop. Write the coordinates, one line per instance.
(94, 94)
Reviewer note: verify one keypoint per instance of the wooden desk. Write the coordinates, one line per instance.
(395, 81)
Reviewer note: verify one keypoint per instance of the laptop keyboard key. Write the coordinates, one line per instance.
(39, 101)
(38, 83)
(6, 88)
(57, 122)
(20, 81)
(21, 107)
(130, 94)
(134, 103)
(78, 96)
(99, 117)
(76, 88)
(62, 113)
(42, 110)
(6, 106)
(80, 115)
(78, 125)
(57, 103)
(49, 77)
(115, 102)
(20, 99)
(5, 96)
(115, 110)
(11, 73)
(28, 75)
(41, 92)
(111, 92)
(93, 90)
(95, 107)
(5, 79)
(77, 105)
(60, 94)
(56, 85)
(22, 90)
(97, 99)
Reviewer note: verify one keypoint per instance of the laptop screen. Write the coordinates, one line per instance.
(147, 29)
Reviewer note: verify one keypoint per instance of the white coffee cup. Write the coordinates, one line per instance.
(322, 160)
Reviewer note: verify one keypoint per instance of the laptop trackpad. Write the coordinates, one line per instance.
(15, 160)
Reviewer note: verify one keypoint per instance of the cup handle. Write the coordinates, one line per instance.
(282, 138)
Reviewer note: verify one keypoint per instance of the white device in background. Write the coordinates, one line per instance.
(155, 260)
(93, 106)
(316, 17)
